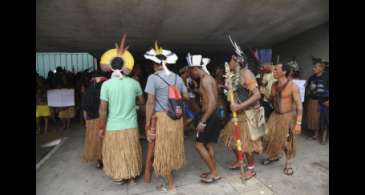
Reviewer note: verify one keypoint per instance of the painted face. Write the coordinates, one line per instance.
(278, 71)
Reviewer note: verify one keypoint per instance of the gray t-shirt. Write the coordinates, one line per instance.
(157, 87)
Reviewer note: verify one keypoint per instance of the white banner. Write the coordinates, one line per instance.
(301, 86)
(61, 97)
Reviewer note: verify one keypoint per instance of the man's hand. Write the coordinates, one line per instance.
(201, 127)
(297, 129)
(235, 107)
(151, 136)
(147, 125)
(101, 133)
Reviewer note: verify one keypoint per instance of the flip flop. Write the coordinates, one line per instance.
(210, 179)
(204, 175)
(287, 172)
(163, 189)
(121, 182)
(253, 175)
(269, 161)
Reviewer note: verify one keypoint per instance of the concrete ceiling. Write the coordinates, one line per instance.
(180, 25)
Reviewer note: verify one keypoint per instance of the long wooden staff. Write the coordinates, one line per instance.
(150, 150)
(237, 133)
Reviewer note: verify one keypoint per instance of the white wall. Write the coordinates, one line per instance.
(314, 42)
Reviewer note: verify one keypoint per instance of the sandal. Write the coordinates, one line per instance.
(121, 182)
(287, 172)
(251, 176)
(236, 166)
(210, 179)
(204, 175)
(162, 188)
(269, 161)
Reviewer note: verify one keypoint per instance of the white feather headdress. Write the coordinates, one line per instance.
(198, 61)
(161, 56)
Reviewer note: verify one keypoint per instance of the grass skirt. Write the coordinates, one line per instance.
(93, 143)
(169, 145)
(228, 138)
(312, 114)
(277, 139)
(122, 154)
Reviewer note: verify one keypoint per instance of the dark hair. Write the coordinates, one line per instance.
(117, 63)
(285, 67)
(59, 69)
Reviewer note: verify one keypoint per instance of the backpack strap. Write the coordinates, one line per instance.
(160, 105)
(158, 102)
(164, 79)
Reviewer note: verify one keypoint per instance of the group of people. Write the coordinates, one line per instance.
(110, 108)
(59, 79)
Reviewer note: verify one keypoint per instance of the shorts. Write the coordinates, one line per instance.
(188, 112)
(212, 130)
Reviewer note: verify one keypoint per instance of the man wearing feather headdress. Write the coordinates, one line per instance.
(250, 115)
(208, 122)
(121, 151)
(165, 135)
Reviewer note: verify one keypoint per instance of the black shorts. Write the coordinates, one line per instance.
(211, 132)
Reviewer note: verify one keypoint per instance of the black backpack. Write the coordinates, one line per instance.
(175, 102)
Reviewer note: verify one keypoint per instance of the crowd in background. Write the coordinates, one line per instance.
(80, 81)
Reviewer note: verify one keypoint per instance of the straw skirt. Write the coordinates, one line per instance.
(169, 145)
(122, 154)
(67, 113)
(277, 138)
(93, 143)
(229, 140)
(312, 114)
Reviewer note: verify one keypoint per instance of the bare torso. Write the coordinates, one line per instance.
(210, 82)
(286, 101)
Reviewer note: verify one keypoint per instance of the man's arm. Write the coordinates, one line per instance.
(141, 103)
(248, 79)
(85, 115)
(299, 109)
(208, 88)
(150, 105)
(103, 111)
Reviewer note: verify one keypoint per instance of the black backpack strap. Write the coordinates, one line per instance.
(163, 79)
(160, 104)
